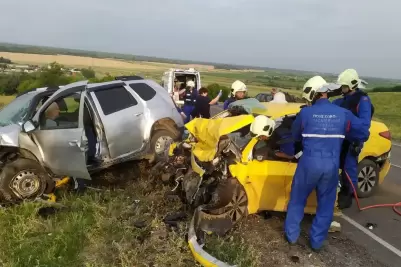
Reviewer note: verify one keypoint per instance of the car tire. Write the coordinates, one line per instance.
(28, 178)
(233, 194)
(160, 142)
(368, 178)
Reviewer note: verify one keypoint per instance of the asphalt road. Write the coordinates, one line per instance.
(385, 243)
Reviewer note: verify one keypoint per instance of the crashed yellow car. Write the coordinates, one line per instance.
(228, 174)
(224, 174)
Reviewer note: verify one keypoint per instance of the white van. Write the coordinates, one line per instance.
(181, 77)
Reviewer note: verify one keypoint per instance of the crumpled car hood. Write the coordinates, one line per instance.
(209, 131)
(9, 135)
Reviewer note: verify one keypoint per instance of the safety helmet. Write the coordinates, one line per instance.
(350, 78)
(311, 86)
(238, 86)
(262, 126)
(190, 84)
(279, 97)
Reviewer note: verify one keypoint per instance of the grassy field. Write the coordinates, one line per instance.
(78, 61)
(118, 224)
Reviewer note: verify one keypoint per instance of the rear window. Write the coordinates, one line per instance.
(115, 99)
(143, 90)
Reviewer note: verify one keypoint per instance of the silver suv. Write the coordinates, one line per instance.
(47, 133)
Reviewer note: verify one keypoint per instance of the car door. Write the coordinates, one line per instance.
(61, 140)
(122, 116)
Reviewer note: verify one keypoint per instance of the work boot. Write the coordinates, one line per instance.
(344, 201)
(344, 197)
(79, 185)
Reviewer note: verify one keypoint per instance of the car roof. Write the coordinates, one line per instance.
(277, 110)
(37, 91)
(94, 86)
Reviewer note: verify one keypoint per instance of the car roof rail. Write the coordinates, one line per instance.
(50, 88)
(128, 78)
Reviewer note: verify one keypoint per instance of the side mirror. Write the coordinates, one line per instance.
(28, 126)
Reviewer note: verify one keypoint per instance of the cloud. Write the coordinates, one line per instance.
(304, 34)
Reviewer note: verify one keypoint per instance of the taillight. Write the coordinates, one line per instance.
(386, 135)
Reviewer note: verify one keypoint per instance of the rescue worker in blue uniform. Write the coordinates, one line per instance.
(189, 100)
(358, 102)
(322, 127)
(238, 92)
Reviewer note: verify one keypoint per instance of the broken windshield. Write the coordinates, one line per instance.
(250, 105)
(16, 111)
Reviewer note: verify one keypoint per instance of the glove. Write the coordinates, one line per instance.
(220, 93)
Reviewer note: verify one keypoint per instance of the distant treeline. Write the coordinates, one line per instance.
(55, 75)
(396, 88)
(5, 60)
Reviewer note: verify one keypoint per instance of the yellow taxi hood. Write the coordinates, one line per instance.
(277, 110)
(209, 131)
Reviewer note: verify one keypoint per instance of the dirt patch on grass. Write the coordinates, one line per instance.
(265, 238)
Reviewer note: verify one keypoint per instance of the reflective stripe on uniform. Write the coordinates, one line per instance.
(324, 135)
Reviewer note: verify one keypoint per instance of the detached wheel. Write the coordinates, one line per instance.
(368, 178)
(22, 179)
(160, 143)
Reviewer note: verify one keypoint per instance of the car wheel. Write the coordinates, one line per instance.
(160, 143)
(237, 206)
(368, 178)
(22, 179)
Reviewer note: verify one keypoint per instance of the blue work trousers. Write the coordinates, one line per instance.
(313, 172)
(187, 109)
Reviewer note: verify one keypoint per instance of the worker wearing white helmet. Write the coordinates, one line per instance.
(321, 127)
(358, 102)
(310, 88)
(238, 92)
(262, 127)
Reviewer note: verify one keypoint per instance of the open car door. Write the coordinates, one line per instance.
(60, 138)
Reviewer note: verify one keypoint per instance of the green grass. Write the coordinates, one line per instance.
(99, 229)
(388, 110)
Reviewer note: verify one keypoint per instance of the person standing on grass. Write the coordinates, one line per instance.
(358, 102)
(203, 103)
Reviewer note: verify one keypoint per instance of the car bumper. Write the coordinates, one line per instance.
(384, 170)
(201, 256)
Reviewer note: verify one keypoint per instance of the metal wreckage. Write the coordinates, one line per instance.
(224, 174)
(212, 171)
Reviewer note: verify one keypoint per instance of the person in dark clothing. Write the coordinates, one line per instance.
(358, 102)
(189, 100)
(203, 103)
(238, 92)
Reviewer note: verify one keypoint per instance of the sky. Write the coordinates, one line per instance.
(316, 35)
